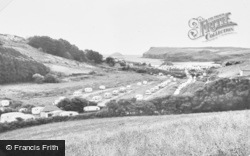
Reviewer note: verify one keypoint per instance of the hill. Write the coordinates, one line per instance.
(185, 54)
(116, 55)
(224, 133)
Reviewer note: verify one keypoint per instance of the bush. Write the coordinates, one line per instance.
(141, 71)
(16, 104)
(129, 107)
(38, 78)
(75, 104)
(145, 108)
(110, 61)
(94, 56)
(103, 113)
(50, 78)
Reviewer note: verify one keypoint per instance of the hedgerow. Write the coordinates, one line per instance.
(40, 121)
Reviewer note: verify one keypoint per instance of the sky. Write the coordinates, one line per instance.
(130, 27)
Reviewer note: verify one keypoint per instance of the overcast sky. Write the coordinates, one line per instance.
(126, 26)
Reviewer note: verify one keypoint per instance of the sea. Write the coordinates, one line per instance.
(158, 62)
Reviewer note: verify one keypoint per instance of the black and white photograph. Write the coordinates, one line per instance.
(124, 78)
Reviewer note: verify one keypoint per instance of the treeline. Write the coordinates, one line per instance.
(64, 49)
(15, 67)
(59, 47)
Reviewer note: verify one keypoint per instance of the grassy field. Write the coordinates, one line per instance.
(205, 134)
(45, 94)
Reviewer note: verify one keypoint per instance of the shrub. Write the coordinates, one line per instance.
(29, 107)
(16, 104)
(50, 78)
(129, 107)
(75, 104)
(145, 107)
(94, 56)
(110, 61)
(38, 78)
(141, 71)
(103, 113)
(123, 64)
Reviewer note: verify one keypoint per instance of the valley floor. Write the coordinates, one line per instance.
(222, 133)
(47, 93)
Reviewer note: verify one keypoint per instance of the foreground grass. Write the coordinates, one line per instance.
(217, 134)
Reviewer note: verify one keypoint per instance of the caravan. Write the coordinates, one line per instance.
(14, 116)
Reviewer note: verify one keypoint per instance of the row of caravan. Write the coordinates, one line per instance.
(87, 90)
(43, 112)
(155, 88)
(98, 98)
(15, 116)
(55, 111)
(109, 95)
(115, 92)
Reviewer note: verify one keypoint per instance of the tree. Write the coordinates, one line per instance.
(59, 47)
(94, 56)
(110, 61)
(74, 104)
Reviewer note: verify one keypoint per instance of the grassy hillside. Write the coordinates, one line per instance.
(226, 133)
(55, 63)
(192, 88)
(216, 54)
(16, 67)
